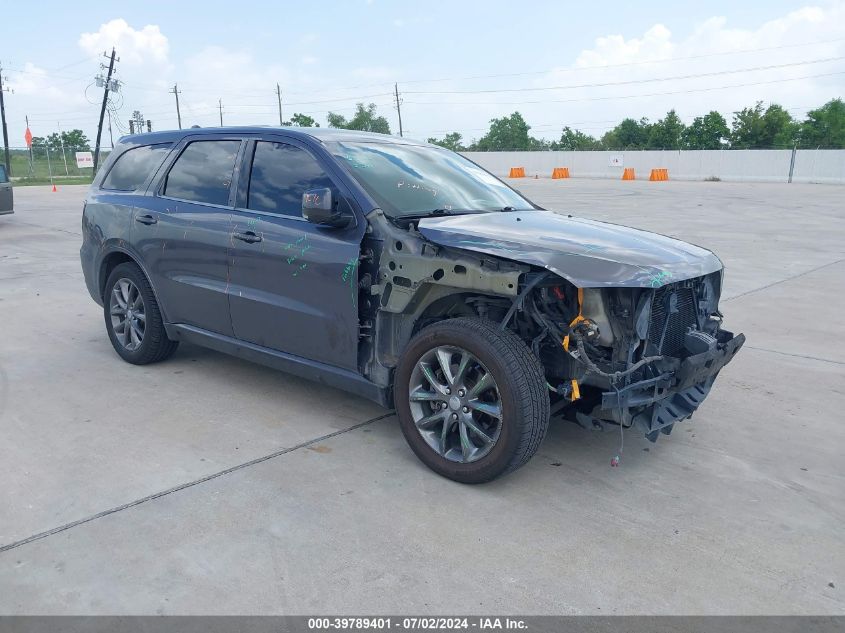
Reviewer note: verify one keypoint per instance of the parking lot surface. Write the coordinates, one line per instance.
(206, 484)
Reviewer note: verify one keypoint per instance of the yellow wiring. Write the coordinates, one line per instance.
(577, 319)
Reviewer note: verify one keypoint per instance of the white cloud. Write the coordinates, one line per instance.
(656, 43)
(806, 34)
(134, 46)
(245, 77)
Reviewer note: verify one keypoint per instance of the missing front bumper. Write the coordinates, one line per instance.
(655, 404)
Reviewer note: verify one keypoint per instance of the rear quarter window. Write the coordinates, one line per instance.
(3, 177)
(203, 172)
(132, 168)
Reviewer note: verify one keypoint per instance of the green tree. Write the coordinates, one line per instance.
(779, 128)
(707, 132)
(825, 126)
(74, 141)
(667, 132)
(747, 127)
(302, 120)
(507, 133)
(629, 134)
(763, 129)
(451, 141)
(575, 140)
(364, 119)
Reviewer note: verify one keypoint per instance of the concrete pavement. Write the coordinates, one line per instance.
(146, 489)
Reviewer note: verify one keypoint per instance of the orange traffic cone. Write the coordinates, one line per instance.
(54, 188)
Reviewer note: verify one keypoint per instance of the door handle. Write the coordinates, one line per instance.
(249, 237)
(146, 219)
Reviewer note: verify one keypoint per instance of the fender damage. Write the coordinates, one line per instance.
(625, 322)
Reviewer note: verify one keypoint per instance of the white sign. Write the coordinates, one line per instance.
(615, 160)
(84, 159)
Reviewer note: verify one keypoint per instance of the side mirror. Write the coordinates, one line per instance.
(319, 207)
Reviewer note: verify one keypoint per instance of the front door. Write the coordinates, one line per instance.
(293, 285)
(183, 233)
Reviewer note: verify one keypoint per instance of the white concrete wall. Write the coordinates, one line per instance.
(821, 166)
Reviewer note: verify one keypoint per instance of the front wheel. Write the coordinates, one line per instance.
(471, 399)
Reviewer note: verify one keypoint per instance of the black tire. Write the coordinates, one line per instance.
(155, 346)
(521, 384)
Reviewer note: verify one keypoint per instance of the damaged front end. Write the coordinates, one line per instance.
(635, 356)
(626, 324)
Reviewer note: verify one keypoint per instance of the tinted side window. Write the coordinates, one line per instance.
(3, 173)
(203, 172)
(134, 166)
(280, 175)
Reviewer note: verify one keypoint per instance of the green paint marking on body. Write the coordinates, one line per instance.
(348, 274)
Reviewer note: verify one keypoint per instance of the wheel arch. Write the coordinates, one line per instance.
(114, 258)
(431, 303)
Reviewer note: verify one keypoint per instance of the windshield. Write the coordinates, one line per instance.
(411, 180)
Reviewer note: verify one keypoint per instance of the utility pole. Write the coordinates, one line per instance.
(111, 138)
(49, 166)
(220, 107)
(106, 87)
(175, 91)
(62, 145)
(792, 160)
(279, 96)
(5, 130)
(398, 106)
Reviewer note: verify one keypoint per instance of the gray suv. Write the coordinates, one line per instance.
(6, 198)
(407, 274)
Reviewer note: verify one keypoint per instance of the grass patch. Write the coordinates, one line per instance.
(39, 180)
(40, 169)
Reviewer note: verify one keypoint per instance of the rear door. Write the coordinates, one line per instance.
(6, 202)
(294, 285)
(183, 232)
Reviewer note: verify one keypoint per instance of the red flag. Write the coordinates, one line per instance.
(28, 137)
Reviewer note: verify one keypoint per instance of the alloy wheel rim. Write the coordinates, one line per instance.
(455, 404)
(128, 314)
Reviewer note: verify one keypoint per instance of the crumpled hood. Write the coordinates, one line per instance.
(588, 253)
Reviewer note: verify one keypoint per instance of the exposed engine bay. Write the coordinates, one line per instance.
(636, 357)
(640, 354)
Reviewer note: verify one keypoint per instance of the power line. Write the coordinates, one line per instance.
(627, 64)
(633, 81)
(611, 97)
(592, 67)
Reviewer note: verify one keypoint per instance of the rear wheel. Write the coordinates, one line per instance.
(133, 318)
(471, 399)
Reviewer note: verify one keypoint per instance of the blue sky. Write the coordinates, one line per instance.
(547, 58)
